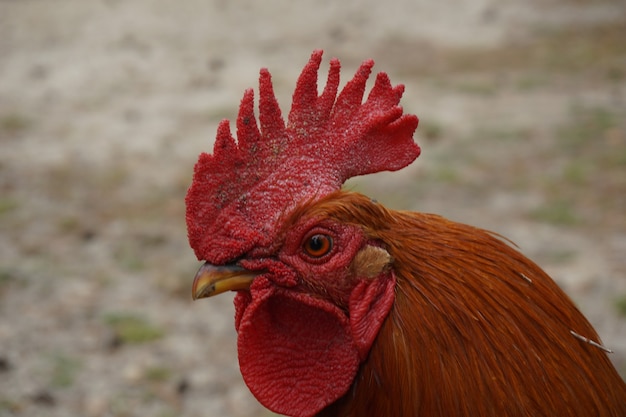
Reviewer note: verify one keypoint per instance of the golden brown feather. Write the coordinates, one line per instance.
(476, 328)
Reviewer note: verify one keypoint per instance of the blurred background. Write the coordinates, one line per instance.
(106, 104)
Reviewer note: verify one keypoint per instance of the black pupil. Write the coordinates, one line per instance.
(317, 243)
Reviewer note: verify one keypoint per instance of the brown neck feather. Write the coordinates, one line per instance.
(477, 329)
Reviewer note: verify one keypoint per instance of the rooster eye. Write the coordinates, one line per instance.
(318, 245)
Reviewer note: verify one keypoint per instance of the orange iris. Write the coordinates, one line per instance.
(318, 245)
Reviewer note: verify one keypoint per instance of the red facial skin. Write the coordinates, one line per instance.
(320, 303)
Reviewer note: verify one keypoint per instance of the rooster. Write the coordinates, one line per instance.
(347, 308)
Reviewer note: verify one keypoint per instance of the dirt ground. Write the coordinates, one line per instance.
(105, 105)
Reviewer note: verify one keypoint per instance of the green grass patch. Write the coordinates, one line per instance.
(7, 276)
(585, 164)
(531, 82)
(620, 305)
(133, 329)
(158, 374)
(14, 123)
(576, 173)
(431, 130)
(447, 174)
(64, 369)
(587, 128)
(560, 256)
(7, 205)
(559, 213)
(10, 406)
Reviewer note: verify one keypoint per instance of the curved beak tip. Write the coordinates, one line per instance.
(202, 291)
(216, 279)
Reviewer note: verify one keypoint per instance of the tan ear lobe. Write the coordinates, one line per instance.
(370, 262)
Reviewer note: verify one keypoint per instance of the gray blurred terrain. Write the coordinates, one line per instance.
(105, 106)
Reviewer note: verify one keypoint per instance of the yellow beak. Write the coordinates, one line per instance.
(212, 280)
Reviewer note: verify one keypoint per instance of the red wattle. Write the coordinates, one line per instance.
(296, 353)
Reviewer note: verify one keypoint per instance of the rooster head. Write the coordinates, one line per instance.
(264, 213)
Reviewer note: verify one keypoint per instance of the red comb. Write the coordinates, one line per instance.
(240, 191)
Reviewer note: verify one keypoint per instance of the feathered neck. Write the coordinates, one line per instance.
(476, 329)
